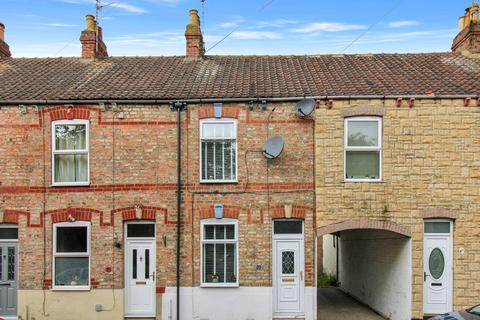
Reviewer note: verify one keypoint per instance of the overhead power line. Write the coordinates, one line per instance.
(388, 12)
(265, 5)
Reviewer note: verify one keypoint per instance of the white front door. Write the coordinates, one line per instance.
(437, 257)
(288, 276)
(140, 277)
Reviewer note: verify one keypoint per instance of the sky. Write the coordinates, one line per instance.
(51, 28)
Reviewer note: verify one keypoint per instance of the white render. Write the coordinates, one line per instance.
(242, 303)
(375, 268)
(329, 255)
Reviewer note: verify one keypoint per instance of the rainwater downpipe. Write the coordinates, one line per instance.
(179, 107)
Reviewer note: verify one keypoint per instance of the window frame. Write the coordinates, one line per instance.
(235, 241)
(71, 255)
(218, 120)
(74, 152)
(378, 148)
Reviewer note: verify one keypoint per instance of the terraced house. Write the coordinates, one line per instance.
(214, 187)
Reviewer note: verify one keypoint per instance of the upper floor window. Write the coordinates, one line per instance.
(363, 149)
(218, 151)
(71, 255)
(219, 252)
(70, 152)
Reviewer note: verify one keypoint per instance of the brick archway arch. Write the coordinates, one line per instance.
(365, 223)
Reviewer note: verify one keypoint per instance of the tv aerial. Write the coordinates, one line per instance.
(305, 107)
(273, 147)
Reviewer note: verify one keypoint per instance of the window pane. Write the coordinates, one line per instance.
(362, 133)
(134, 264)
(147, 264)
(11, 263)
(71, 168)
(8, 233)
(230, 228)
(203, 161)
(287, 227)
(209, 232)
(71, 271)
(231, 275)
(209, 160)
(70, 137)
(219, 232)
(362, 165)
(139, 230)
(208, 262)
(227, 156)
(219, 162)
(234, 159)
(71, 239)
(437, 227)
(288, 262)
(220, 262)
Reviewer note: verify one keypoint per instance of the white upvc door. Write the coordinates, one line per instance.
(288, 276)
(437, 264)
(140, 277)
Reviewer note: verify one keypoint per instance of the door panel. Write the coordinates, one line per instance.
(288, 276)
(437, 274)
(140, 277)
(8, 279)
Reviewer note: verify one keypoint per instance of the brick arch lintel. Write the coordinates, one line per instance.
(68, 112)
(364, 110)
(227, 112)
(365, 223)
(230, 212)
(298, 212)
(66, 214)
(439, 213)
(145, 213)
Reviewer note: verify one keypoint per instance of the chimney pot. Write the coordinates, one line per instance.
(4, 48)
(91, 24)
(2, 31)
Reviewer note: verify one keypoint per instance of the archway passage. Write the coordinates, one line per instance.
(371, 262)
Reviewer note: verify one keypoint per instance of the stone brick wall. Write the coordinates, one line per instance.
(133, 163)
(431, 168)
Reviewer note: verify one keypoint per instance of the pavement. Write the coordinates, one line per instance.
(333, 304)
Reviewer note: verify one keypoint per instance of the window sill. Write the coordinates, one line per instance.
(218, 181)
(70, 288)
(219, 285)
(363, 181)
(70, 184)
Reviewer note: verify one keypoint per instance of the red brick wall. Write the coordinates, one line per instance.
(133, 163)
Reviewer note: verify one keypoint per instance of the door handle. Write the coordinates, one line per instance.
(425, 275)
(153, 276)
(301, 275)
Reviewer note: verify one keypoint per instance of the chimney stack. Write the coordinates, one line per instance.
(92, 40)
(468, 39)
(194, 37)
(4, 48)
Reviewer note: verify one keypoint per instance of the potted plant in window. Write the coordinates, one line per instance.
(215, 277)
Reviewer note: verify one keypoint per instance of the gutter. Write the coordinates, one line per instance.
(226, 100)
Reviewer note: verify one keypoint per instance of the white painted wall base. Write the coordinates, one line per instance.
(243, 303)
(329, 256)
(375, 268)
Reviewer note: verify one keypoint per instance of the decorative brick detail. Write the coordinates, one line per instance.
(160, 290)
(146, 213)
(47, 284)
(364, 110)
(65, 112)
(227, 112)
(94, 283)
(229, 212)
(439, 213)
(365, 223)
(297, 212)
(65, 215)
(12, 216)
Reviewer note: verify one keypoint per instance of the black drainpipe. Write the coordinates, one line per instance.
(179, 107)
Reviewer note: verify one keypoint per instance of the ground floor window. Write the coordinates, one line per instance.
(219, 252)
(71, 255)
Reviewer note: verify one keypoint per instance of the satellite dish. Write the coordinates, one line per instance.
(273, 147)
(305, 107)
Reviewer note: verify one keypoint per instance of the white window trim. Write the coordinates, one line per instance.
(222, 120)
(86, 151)
(203, 223)
(363, 148)
(63, 254)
